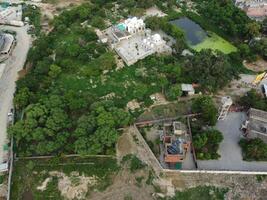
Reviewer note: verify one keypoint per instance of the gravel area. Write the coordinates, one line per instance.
(230, 151)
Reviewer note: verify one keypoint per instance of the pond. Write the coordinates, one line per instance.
(193, 32)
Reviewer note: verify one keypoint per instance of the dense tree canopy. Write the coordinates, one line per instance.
(211, 71)
(227, 17)
(253, 99)
(73, 99)
(206, 107)
(207, 144)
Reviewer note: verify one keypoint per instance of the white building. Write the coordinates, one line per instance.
(132, 41)
(134, 25)
(188, 89)
(154, 42)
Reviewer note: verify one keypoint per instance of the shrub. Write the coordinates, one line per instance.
(207, 144)
(254, 149)
(134, 162)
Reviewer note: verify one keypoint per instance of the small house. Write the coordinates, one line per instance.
(256, 125)
(188, 89)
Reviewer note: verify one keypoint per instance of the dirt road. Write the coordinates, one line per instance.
(7, 82)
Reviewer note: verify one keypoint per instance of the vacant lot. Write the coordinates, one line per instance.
(61, 178)
(215, 42)
(169, 110)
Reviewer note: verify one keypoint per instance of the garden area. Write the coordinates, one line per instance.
(253, 149)
(206, 139)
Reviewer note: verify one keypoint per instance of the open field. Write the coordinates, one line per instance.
(94, 178)
(57, 178)
(215, 42)
(199, 193)
(169, 110)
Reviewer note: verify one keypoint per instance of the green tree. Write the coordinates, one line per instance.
(254, 149)
(200, 141)
(22, 98)
(253, 29)
(207, 108)
(54, 71)
(174, 92)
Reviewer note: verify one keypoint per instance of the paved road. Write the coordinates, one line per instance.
(7, 82)
(231, 157)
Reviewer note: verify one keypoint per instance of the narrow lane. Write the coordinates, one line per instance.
(8, 80)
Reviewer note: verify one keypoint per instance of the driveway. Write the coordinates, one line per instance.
(7, 82)
(231, 157)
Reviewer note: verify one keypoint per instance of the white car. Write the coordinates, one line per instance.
(10, 116)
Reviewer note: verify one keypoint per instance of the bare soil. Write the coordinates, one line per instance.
(125, 185)
(52, 8)
(125, 145)
(257, 66)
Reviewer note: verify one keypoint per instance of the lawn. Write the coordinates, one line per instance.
(29, 174)
(215, 42)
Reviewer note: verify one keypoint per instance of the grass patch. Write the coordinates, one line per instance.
(260, 178)
(2, 178)
(139, 181)
(201, 193)
(134, 162)
(150, 178)
(215, 42)
(27, 179)
(166, 111)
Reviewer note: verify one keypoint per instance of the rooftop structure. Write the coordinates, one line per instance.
(256, 125)
(132, 41)
(188, 89)
(120, 33)
(255, 9)
(6, 42)
(133, 25)
(138, 47)
(175, 143)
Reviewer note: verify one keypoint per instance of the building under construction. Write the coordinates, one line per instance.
(256, 125)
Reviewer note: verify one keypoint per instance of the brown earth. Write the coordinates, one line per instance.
(257, 66)
(125, 185)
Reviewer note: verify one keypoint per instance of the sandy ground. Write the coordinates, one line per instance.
(50, 10)
(154, 11)
(257, 66)
(238, 88)
(7, 82)
(125, 185)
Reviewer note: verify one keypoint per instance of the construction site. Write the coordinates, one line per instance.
(132, 41)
